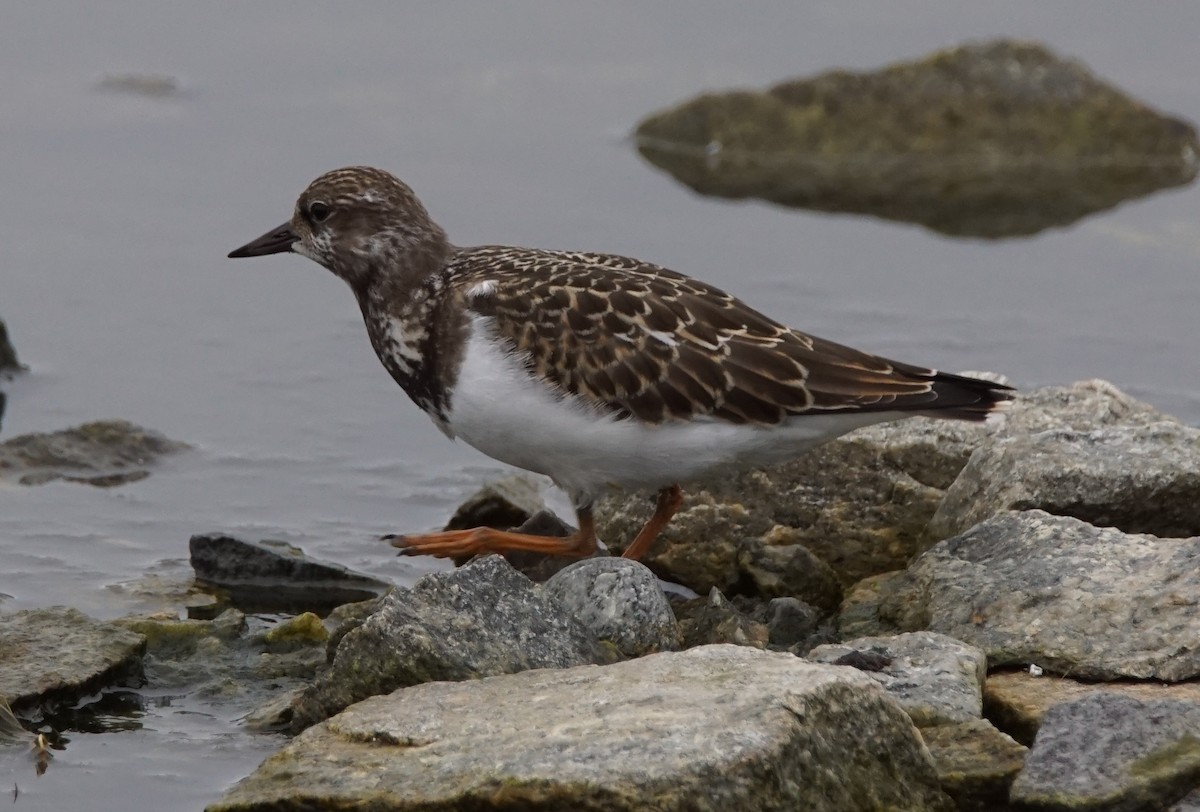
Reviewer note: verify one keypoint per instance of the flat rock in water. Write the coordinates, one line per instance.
(1109, 751)
(719, 727)
(936, 679)
(105, 453)
(1142, 479)
(620, 601)
(479, 620)
(1093, 603)
(60, 654)
(274, 575)
(967, 141)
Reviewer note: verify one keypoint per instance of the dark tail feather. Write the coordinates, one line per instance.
(960, 397)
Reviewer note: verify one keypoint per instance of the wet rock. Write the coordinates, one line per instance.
(1108, 751)
(719, 727)
(936, 679)
(276, 576)
(704, 621)
(105, 453)
(503, 504)
(968, 141)
(1142, 479)
(1016, 701)
(480, 620)
(56, 655)
(305, 629)
(8, 356)
(1090, 602)
(976, 763)
(620, 601)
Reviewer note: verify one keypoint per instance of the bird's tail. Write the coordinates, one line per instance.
(969, 397)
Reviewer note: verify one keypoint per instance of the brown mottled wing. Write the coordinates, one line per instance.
(643, 341)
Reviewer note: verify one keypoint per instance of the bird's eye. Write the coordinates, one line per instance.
(319, 212)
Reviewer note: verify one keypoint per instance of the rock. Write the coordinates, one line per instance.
(8, 356)
(976, 763)
(538, 567)
(780, 566)
(305, 629)
(57, 655)
(861, 503)
(105, 453)
(714, 619)
(871, 606)
(1189, 803)
(790, 624)
(1108, 751)
(719, 727)
(272, 575)
(151, 86)
(503, 504)
(480, 620)
(934, 452)
(1094, 603)
(936, 679)
(1016, 701)
(1142, 479)
(968, 141)
(620, 601)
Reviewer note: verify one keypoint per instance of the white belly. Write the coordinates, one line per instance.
(500, 409)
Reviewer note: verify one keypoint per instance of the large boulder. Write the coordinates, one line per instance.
(715, 728)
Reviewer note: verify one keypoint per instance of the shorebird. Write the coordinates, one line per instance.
(595, 370)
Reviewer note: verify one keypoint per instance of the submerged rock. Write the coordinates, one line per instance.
(105, 453)
(986, 140)
(719, 727)
(1089, 602)
(1110, 751)
(479, 620)
(276, 576)
(57, 655)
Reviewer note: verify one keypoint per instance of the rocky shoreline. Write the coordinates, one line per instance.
(921, 615)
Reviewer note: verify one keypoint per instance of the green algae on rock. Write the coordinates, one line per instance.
(991, 140)
(103, 453)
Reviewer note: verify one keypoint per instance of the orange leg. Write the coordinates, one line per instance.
(669, 499)
(466, 543)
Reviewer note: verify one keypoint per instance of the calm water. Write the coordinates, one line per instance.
(510, 120)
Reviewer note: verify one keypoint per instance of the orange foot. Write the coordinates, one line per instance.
(478, 540)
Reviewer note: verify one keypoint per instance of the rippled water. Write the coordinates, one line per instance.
(510, 120)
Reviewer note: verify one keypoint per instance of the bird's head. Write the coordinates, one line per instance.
(358, 222)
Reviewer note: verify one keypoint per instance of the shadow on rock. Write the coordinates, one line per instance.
(992, 140)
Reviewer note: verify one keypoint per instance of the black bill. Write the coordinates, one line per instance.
(276, 241)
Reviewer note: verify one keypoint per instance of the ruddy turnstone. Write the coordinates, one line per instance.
(595, 370)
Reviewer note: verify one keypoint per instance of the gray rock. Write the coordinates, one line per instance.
(620, 601)
(936, 679)
(480, 620)
(503, 504)
(719, 727)
(105, 453)
(56, 655)
(967, 141)
(871, 606)
(1108, 751)
(705, 621)
(790, 623)
(1142, 479)
(275, 576)
(976, 763)
(1089, 602)
(934, 452)
(1189, 803)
